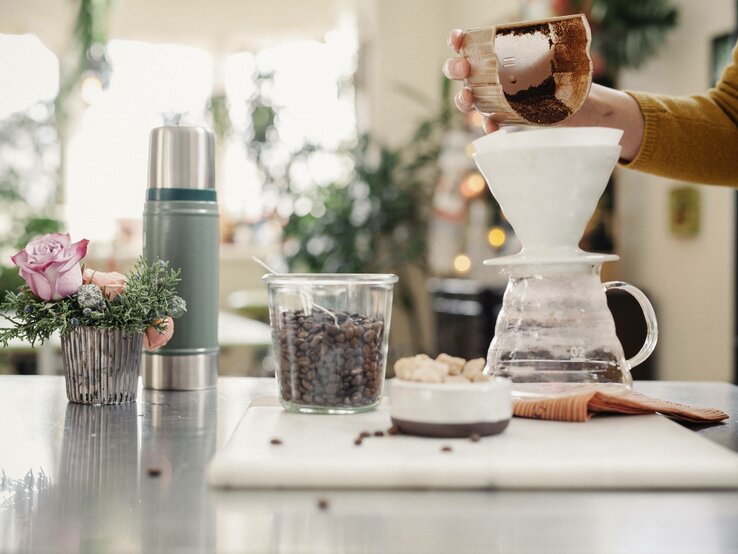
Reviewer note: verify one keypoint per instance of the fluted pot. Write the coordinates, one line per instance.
(101, 366)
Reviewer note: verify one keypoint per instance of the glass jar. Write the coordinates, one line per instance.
(330, 335)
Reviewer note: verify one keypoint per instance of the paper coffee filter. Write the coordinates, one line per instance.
(547, 138)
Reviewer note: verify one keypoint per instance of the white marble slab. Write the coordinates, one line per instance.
(608, 452)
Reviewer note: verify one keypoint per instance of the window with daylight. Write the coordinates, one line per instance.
(291, 108)
(107, 156)
(280, 117)
(29, 146)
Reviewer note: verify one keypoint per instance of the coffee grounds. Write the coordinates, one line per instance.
(539, 104)
(572, 29)
(327, 364)
(524, 30)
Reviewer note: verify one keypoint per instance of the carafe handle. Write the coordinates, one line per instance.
(652, 330)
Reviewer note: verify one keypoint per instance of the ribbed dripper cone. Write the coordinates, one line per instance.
(548, 186)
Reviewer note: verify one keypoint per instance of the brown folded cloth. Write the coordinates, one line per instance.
(581, 403)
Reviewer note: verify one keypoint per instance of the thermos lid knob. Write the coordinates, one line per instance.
(181, 157)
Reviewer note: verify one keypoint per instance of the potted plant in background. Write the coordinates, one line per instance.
(104, 319)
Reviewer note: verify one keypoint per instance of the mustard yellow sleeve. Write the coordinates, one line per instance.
(692, 138)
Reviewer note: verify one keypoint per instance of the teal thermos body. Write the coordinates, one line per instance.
(181, 226)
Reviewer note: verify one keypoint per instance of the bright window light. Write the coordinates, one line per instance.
(29, 73)
(311, 92)
(108, 155)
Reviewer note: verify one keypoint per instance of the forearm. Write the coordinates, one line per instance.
(689, 138)
(694, 138)
(606, 107)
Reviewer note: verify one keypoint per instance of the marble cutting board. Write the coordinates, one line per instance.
(608, 452)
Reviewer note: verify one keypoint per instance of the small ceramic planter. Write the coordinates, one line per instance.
(101, 366)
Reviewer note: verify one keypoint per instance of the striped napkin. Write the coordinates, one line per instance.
(582, 402)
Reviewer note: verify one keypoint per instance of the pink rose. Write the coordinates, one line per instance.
(50, 265)
(153, 339)
(111, 284)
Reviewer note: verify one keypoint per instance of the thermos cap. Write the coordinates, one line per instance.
(181, 157)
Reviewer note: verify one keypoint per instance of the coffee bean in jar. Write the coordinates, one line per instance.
(330, 360)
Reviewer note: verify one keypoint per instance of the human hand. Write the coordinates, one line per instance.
(603, 107)
(458, 68)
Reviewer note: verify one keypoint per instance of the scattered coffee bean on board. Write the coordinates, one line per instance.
(358, 441)
(446, 449)
(365, 434)
(154, 472)
(323, 503)
(328, 364)
(474, 437)
(393, 430)
(275, 441)
(378, 433)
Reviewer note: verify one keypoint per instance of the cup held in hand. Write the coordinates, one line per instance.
(536, 72)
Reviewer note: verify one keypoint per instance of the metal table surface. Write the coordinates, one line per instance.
(131, 479)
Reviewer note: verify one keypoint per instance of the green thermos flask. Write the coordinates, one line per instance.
(181, 226)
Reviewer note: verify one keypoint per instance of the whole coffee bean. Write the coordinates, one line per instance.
(322, 363)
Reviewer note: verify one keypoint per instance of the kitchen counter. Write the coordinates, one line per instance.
(131, 479)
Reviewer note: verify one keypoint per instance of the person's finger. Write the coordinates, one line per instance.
(464, 100)
(456, 68)
(455, 39)
(490, 125)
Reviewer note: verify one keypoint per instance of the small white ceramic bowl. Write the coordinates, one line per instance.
(450, 409)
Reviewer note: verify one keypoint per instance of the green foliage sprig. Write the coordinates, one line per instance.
(148, 298)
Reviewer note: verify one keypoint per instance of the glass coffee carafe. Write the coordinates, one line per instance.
(555, 327)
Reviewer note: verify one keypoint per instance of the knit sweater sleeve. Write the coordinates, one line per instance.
(692, 138)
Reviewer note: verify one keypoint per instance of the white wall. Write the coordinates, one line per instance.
(404, 44)
(691, 281)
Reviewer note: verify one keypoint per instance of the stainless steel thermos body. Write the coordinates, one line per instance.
(181, 226)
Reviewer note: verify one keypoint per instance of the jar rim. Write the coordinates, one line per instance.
(330, 278)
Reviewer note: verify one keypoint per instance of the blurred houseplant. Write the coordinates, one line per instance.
(374, 219)
(624, 34)
(32, 144)
(29, 159)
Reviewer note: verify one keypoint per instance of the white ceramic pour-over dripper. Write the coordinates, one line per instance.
(548, 182)
(554, 326)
